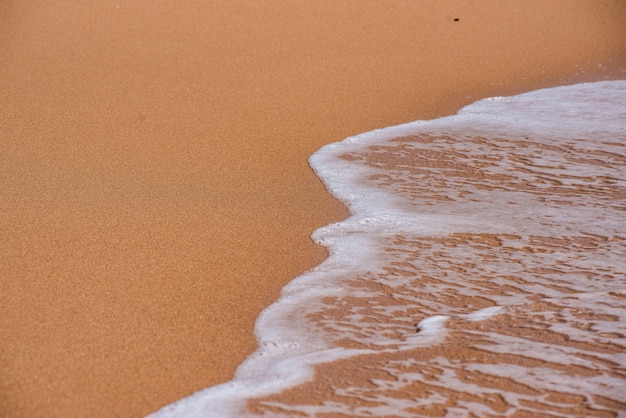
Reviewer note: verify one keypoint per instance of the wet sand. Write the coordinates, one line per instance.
(154, 190)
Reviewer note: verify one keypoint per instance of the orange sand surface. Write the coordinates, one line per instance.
(154, 190)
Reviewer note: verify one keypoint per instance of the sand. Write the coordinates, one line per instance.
(154, 190)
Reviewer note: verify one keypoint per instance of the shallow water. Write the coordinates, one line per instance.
(482, 272)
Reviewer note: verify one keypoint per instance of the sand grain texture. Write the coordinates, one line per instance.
(154, 191)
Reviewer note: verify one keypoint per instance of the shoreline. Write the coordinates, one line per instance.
(427, 291)
(134, 253)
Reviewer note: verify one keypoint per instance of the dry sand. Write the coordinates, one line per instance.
(154, 191)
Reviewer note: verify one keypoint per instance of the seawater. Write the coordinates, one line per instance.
(482, 272)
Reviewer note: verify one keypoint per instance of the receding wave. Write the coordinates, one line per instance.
(482, 272)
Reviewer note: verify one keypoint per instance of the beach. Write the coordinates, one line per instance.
(155, 191)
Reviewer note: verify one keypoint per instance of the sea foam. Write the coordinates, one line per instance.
(482, 271)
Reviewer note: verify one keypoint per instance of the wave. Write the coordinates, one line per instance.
(482, 271)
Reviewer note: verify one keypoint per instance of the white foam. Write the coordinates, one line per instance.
(393, 240)
(482, 314)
